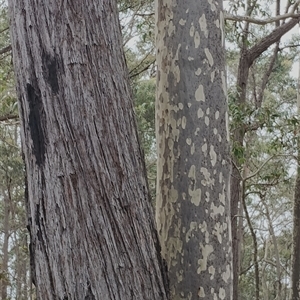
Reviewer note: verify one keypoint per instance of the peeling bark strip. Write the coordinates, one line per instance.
(193, 213)
(90, 219)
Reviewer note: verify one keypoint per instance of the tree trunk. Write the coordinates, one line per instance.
(276, 250)
(296, 239)
(295, 295)
(6, 233)
(90, 217)
(236, 207)
(247, 57)
(193, 214)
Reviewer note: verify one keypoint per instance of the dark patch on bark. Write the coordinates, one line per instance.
(37, 215)
(36, 116)
(50, 72)
(37, 222)
(89, 295)
(22, 116)
(165, 277)
(31, 254)
(32, 264)
(74, 180)
(42, 202)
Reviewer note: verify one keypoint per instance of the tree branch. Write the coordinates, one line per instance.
(277, 18)
(236, 18)
(5, 29)
(5, 49)
(142, 70)
(8, 117)
(267, 75)
(270, 39)
(259, 169)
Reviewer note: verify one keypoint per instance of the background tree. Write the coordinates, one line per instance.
(252, 46)
(296, 229)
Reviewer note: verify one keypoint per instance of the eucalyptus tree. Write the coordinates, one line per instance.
(251, 48)
(192, 208)
(266, 158)
(90, 218)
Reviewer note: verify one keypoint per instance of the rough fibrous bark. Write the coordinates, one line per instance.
(90, 218)
(193, 213)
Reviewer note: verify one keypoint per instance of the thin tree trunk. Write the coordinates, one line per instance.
(264, 278)
(236, 207)
(6, 234)
(296, 238)
(276, 250)
(255, 247)
(295, 295)
(90, 217)
(18, 271)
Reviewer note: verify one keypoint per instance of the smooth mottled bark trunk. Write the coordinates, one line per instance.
(192, 209)
(90, 218)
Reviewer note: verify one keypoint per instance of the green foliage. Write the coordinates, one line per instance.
(137, 20)
(144, 100)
